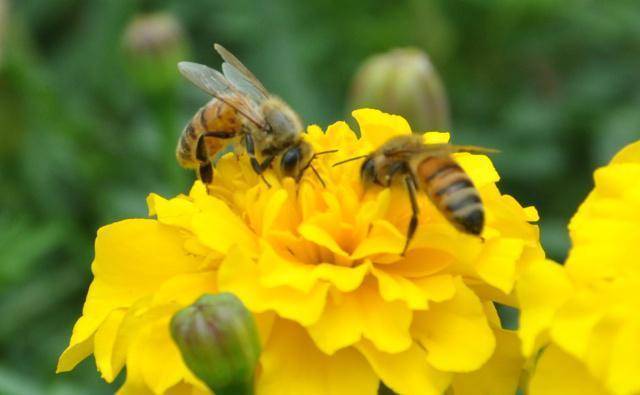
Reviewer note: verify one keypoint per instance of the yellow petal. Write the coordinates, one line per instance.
(177, 211)
(532, 214)
(136, 320)
(385, 324)
(345, 279)
(500, 375)
(240, 275)
(437, 288)
(542, 289)
(407, 372)
(104, 341)
(363, 313)
(339, 326)
(338, 135)
(377, 127)
(80, 347)
(320, 236)
(382, 238)
(133, 258)
(479, 168)
(272, 209)
(292, 365)
(455, 333)
(557, 373)
(186, 288)
(393, 287)
(497, 262)
(574, 322)
(629, 154)
(155, 356)
(279, 271)
(219, 228)
(421, 262)
(625, 361)
(436, 137)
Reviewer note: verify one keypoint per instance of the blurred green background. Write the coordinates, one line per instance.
(91, 107)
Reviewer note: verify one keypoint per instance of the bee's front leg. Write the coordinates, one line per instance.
(257, 166)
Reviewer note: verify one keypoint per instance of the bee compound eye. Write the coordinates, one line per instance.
(290, 160)
(367, 171)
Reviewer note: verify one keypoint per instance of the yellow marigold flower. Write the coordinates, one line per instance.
(338, 308)
(587, 311)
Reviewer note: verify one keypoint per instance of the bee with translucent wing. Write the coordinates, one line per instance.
(431, 168)
(243, 111)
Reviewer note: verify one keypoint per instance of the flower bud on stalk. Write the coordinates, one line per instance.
(154, 44)
(219, 342)
(402, 81)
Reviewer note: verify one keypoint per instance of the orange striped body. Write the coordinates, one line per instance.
(452, 192)
(215, 116)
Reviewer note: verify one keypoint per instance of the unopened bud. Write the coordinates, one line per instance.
(153, 44)
(219, 342)
(403, 82)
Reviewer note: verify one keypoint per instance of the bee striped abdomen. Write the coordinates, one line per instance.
(185, 152)
(215, 116)
(452, 192)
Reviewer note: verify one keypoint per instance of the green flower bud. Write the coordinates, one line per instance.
(154, 44)
(403, 82)
(219, 342)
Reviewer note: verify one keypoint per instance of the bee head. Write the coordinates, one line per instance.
(368, 171)
(295, 160)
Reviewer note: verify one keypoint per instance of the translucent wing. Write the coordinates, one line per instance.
(437, 150)
(215, 84)
(240, 76)
(445, 149)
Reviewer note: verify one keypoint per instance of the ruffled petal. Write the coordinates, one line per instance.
(133, 259)
(557, 373)
(377, 127)
(105, 339)
(292, 365)
(407, 372)
(154, 344)
(240, 275)
(542, 289)
(363, 313)
(496, 265)
(500, 375)
(455, 333)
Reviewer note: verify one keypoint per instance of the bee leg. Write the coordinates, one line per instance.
(220, 135)
(415, 210)
(266, 163)
(205, 171)
(251, 150)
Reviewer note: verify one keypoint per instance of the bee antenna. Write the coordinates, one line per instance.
(349, 160)
(324, 185)
(331, 151)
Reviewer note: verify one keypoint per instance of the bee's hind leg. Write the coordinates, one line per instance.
(205, 170)
(205, 173)
(415, 210)
(257, 166)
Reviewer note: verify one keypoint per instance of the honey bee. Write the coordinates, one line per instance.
(431, 168)
(243, 111)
